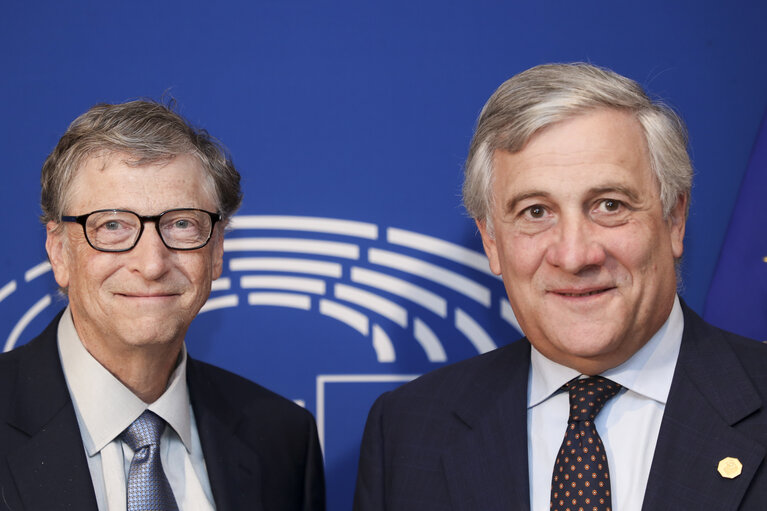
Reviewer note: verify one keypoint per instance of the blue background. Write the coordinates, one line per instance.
(361, 111)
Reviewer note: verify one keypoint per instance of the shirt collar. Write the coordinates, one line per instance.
(648, 372)
(104, 405)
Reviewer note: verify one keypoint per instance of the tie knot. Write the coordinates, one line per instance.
(144, 431)
(589, 395)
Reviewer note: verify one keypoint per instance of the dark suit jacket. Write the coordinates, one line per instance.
(261, 450)
(456, 438)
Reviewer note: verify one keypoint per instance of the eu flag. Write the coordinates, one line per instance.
(737, 298)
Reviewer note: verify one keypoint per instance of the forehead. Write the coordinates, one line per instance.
(113, 180)
(599, 146)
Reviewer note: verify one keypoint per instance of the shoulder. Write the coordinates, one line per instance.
(40, 354)
(478, 369)
(412, 426)
(725, 363)
(248, 420)
(32, 387)
(752, 354)
(44, 343)
(470, 384)
(209, 382)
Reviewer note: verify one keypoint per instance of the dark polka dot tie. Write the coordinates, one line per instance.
(581, 480)
(148, 487)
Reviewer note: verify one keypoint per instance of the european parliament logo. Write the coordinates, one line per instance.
(328, 312)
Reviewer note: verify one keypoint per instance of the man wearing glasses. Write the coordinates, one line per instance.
(105, 410)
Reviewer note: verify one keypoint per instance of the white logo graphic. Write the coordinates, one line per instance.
(40, 305)
(322, 264)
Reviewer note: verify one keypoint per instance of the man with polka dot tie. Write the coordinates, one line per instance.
(619, 397)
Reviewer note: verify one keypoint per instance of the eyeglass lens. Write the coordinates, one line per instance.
(118, 230)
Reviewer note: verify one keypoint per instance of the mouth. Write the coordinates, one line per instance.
(588, 293)
(573, 293)
(147, 296)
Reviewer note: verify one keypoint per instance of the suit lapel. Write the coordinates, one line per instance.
(50, 469)
(233, 468)
(486, 468)
(710, 393)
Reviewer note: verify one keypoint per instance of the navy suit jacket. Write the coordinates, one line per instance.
(456, 438)
(261, 450)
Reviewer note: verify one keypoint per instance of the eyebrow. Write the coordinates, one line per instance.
(616, 188)
(512, 203)
(607, 189)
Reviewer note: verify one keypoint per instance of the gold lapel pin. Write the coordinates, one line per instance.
(730, 468)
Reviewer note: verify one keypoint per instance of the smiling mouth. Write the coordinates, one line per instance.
(159, 295)
(586, 293)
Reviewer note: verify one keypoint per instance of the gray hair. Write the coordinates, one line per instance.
(148, 132)
(551, 93)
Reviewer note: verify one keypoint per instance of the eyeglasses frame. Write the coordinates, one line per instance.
(82, 219)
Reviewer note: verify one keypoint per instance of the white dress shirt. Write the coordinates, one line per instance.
(628, 424)
(105, 407)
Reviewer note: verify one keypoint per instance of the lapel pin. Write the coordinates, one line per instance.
(730, 468)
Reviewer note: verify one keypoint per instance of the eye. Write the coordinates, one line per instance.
(536, 211)
(611, 212)
(610, 205)
(112, 226)
(182, 224)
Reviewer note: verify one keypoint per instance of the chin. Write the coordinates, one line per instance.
(150, 337)
(147, 342)
(584, 346)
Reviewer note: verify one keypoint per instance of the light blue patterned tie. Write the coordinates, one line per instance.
(148, 488)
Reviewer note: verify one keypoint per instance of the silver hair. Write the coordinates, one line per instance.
(551, 93)
(147, 132)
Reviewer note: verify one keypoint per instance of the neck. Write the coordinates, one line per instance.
(145, 370)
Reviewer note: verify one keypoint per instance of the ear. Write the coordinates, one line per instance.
(217, 254)
(491, 249)
(676, 221)
(55, 245)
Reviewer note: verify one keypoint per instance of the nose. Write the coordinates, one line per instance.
(576, 245)
(150, 257)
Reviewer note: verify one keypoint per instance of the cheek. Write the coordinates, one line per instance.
(83, 270)
(92, 274)
(522, 256)
(197, 268)
(217, 254)
(634, 254)
(94, 268)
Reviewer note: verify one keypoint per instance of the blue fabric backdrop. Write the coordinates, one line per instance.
(360, 112)
(737, 300)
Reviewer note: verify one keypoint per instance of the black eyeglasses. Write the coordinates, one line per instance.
(118, 230)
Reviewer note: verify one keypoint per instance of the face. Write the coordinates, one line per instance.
(150, 294)
(586, 255)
